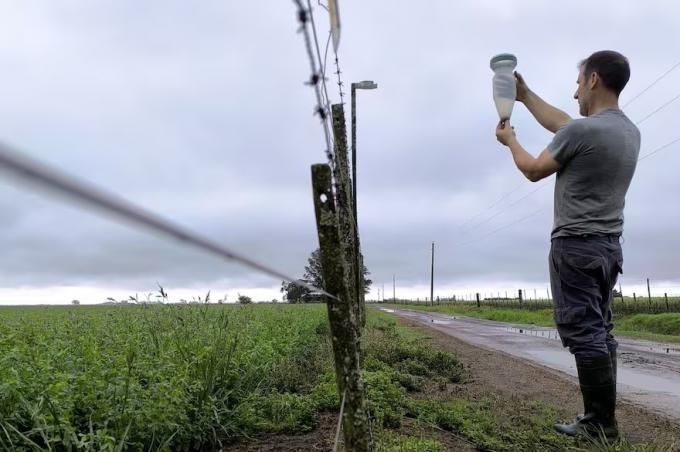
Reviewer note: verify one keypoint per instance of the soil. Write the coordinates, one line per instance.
(507, 377)
(501, 376)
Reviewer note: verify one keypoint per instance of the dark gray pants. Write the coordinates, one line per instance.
(583, 272)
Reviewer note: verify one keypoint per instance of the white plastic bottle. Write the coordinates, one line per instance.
(504, 89)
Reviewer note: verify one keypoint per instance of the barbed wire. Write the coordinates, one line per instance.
(322, 67)
(57, 182)
(340, 82)
(304, 16)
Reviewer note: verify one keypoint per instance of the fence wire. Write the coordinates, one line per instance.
(56, 182)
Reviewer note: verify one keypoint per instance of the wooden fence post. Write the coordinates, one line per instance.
(665, 296)
(343, 323)
(348, 228)
(478, 303)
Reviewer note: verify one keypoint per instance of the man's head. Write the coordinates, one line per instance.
(602, 75)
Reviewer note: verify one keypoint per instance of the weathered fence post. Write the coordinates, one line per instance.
(649, 293)
(520, 297)
(665, 296)
(348, 227)
(478, 303)
(343, 323)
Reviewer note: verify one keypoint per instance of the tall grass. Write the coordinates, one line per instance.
(154, 378)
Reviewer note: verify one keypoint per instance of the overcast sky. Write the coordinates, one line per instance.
(198, 111)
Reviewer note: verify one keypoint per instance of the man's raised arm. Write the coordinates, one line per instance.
(550, 117)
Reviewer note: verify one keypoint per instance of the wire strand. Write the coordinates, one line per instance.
(674, 67)
(315, 78)
(660, 148)
(53, 180)
(658, 110)
(514, 203)
(322, 66)
(494, 204)
(495, 231)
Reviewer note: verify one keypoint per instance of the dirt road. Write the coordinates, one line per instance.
(648, 376)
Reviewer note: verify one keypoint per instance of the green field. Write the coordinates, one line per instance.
(664, 327)
(199, 377)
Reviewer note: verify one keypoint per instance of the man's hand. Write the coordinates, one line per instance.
(522, 88)
(505, 133)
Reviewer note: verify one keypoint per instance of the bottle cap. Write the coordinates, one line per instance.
(503, 59)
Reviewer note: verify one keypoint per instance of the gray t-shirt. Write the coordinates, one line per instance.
(598, 155)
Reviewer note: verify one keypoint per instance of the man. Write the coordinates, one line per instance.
(594, 158)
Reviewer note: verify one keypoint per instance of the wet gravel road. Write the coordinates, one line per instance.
(648, 373)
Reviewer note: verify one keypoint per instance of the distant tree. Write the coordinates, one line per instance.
(313, 272)
(244, 299)
(75, 302)
(294, 293)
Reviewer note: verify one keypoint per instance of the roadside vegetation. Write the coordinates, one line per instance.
(663, 327)
(196, 377)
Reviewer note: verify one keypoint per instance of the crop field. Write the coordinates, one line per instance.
(208, 377)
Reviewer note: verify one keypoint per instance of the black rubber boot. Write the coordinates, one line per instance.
(596, 378)
(612, 358)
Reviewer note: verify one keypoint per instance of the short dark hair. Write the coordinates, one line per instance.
(611, 66)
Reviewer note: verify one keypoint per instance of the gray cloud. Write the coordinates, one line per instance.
(201, 114)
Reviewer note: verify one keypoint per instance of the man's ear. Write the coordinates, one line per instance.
(593, 80)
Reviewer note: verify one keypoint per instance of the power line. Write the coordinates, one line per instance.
(541, 186)
(658, 110)
(536, 212)
(660, 148)
(53, 180)
(675, 66)
(494, 204)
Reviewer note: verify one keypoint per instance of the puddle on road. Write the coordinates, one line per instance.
(664, 350)
(648, 382)
(557, 358)
(548, 334)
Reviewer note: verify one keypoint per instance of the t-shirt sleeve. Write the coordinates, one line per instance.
(567, 142)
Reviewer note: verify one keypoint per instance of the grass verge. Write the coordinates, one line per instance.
(663, 327)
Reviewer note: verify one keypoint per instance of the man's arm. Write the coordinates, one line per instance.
(534, 169)
(550, 117)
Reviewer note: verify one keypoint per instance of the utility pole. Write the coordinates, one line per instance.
(394, 287)
(432, 278)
